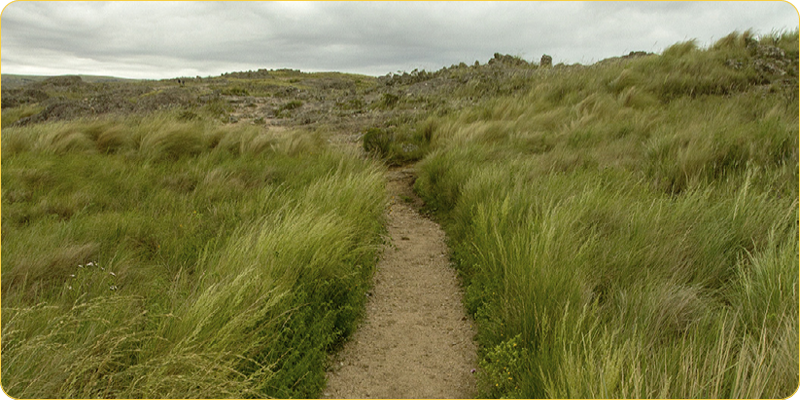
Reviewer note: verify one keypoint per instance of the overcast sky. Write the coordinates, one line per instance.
(170, 39)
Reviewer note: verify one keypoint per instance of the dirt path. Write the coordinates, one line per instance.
(416, 340)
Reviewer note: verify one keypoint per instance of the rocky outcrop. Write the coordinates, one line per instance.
(507, 60)
(771, 60)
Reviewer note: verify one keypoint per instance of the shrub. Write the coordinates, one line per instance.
(377, 141)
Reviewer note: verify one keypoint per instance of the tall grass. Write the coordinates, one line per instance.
(146, 257)
(630, 229)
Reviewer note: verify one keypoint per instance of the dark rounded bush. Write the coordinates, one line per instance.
(377, 141)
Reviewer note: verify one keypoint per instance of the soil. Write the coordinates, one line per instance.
(416, 340)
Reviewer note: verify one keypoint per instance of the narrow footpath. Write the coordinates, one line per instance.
(416, 340)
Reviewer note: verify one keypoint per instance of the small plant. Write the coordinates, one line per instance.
(500, 370)
(91, 279)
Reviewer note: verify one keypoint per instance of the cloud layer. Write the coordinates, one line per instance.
(167, 39)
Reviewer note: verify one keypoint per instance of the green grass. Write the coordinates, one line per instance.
(145, 257)
(12, 115)
(400, 146)
(630, 229)
(626, 229)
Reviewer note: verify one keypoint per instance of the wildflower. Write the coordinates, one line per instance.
(112, 274)
(472, 370)
(69, 287)
(90, 264)
(80, 265)
(71, 275)
(112, 287)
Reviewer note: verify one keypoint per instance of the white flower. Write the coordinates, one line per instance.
(112, 274)
(90, 264)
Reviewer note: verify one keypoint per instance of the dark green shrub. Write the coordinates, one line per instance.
(377, 141)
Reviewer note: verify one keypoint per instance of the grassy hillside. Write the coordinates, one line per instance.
(630, 229)
(145, 257)
(13, 81)
(625, 229)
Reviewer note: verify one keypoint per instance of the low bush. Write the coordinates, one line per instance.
(377, 141)
(399, 146)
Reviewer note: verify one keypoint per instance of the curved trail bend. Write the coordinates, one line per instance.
(416, 340)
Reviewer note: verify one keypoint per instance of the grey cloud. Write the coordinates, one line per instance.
(163, 39)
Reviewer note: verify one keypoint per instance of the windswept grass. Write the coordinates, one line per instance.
(400, 146)
(151, 258)
(630, 229)
(626, 229)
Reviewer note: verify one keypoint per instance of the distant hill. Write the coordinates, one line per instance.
(12, 81)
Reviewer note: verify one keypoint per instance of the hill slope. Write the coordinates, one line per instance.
(625, 229)
(630, 229)
(14, 81)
